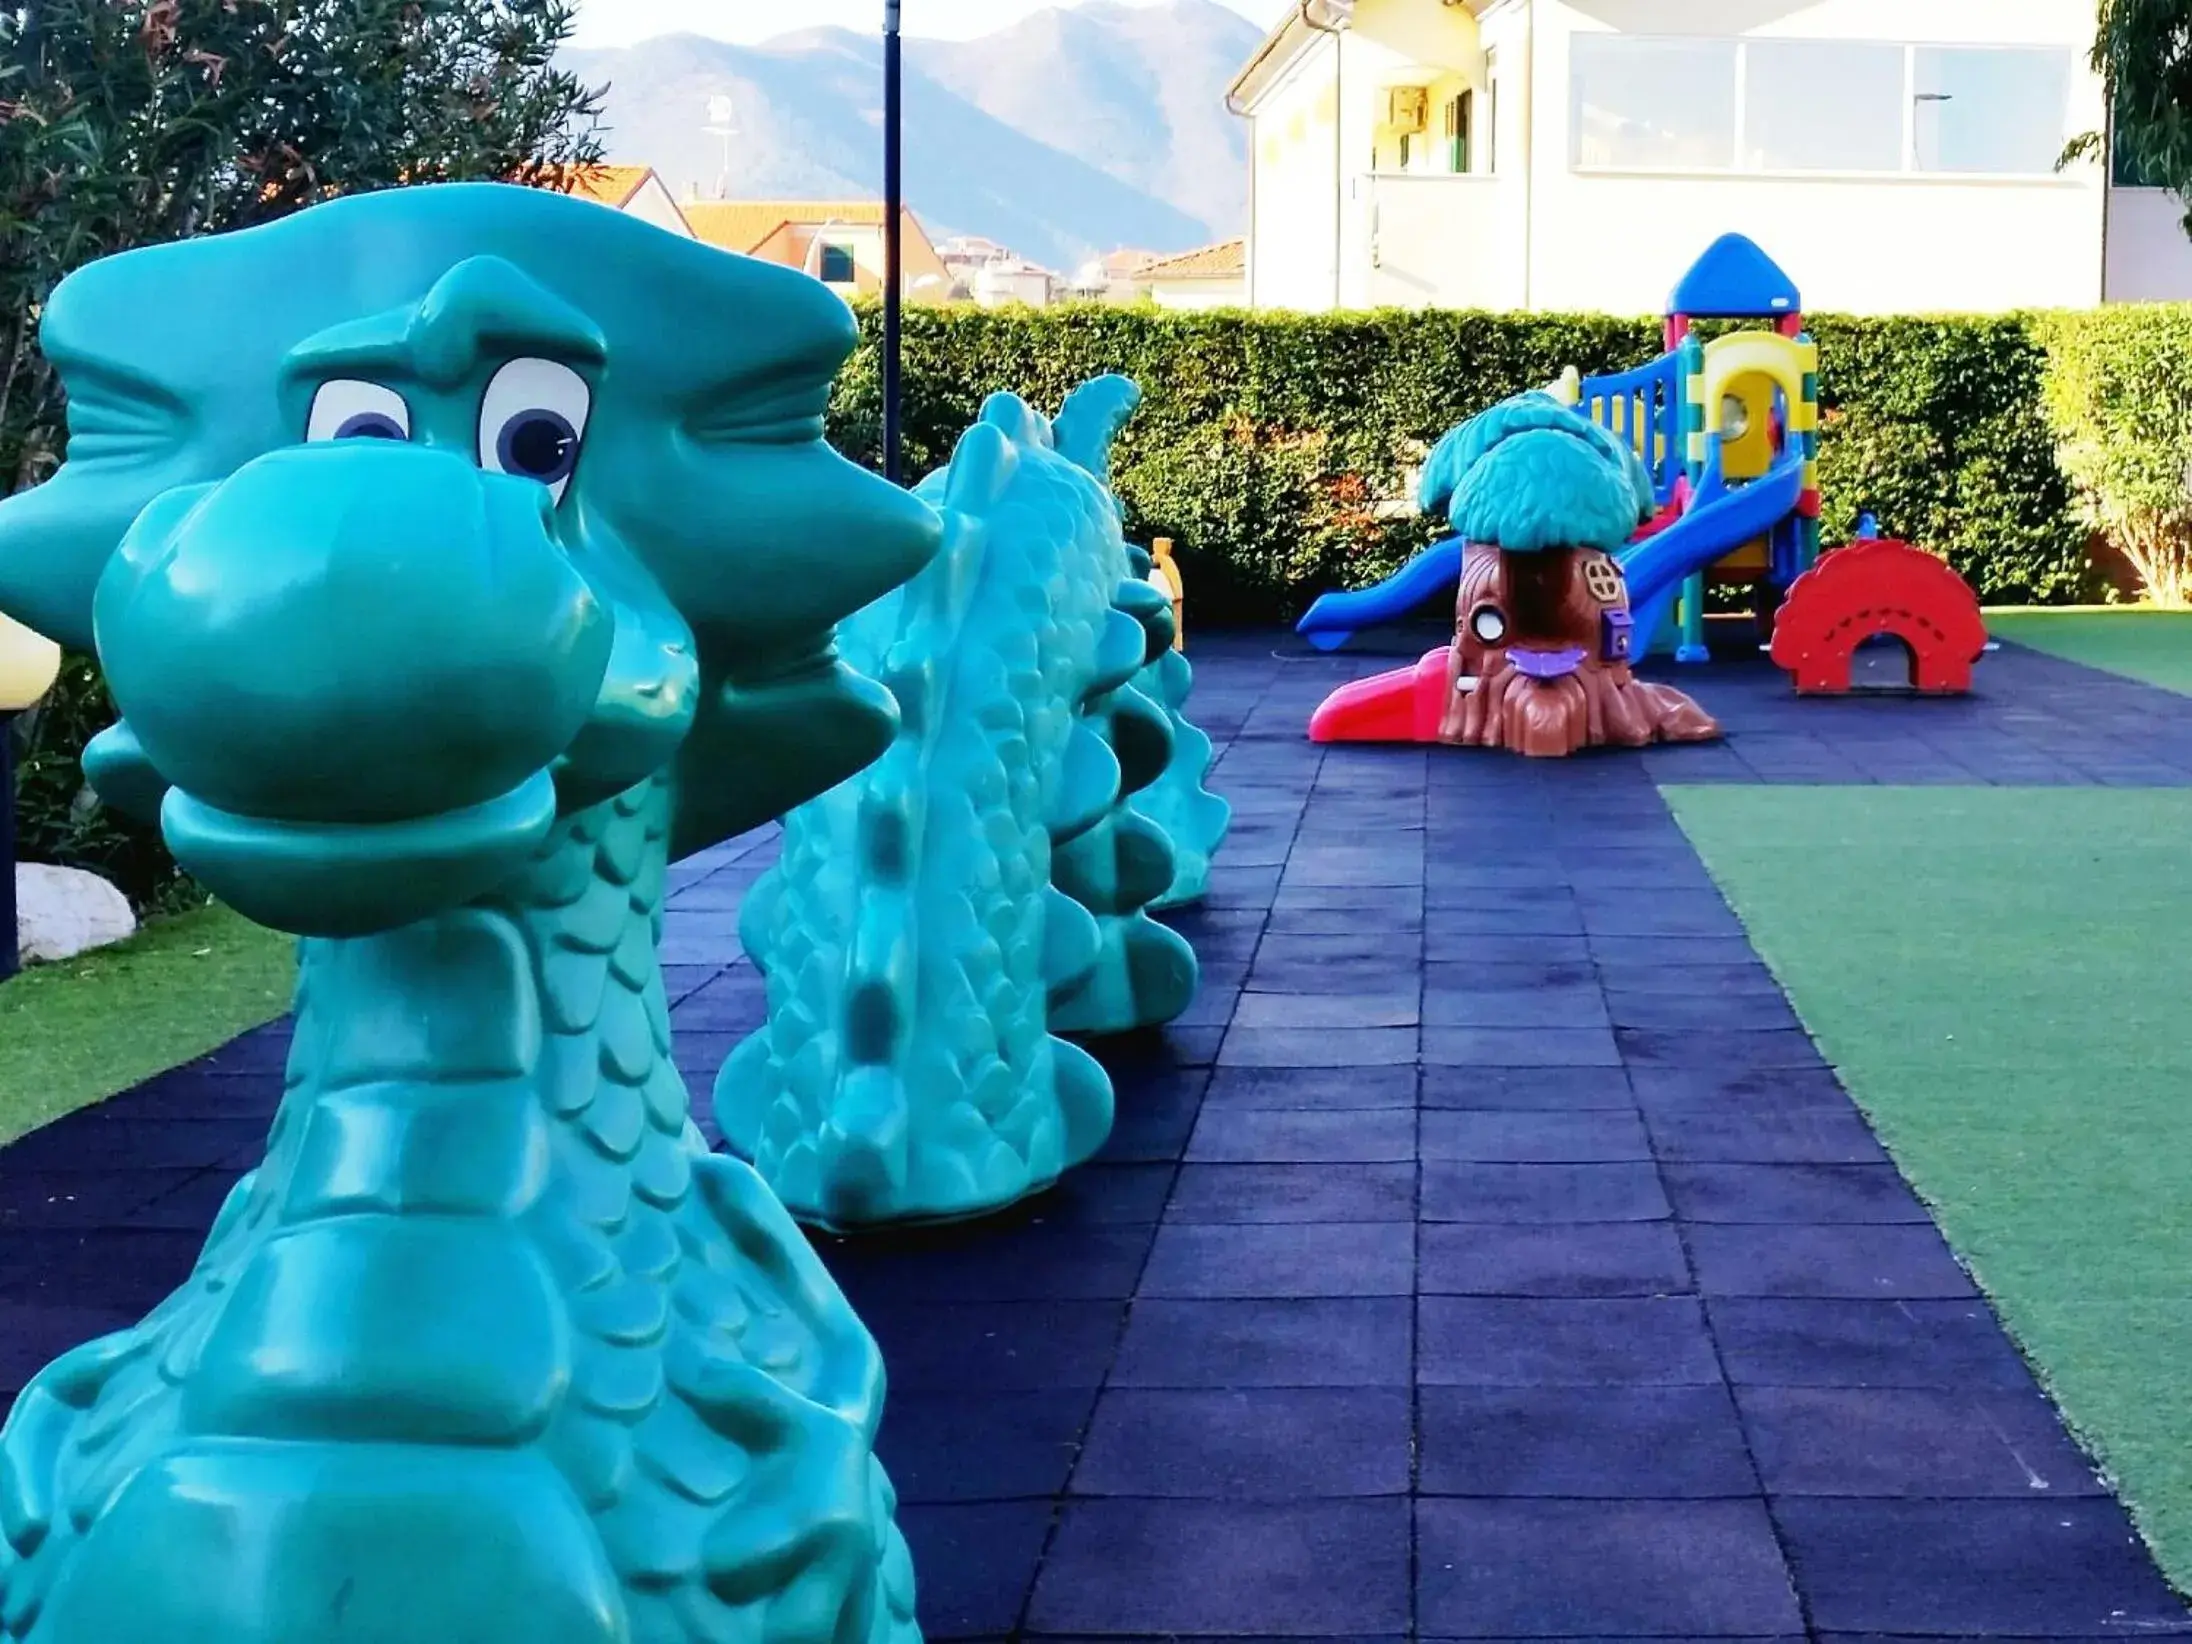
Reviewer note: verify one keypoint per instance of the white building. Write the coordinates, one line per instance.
(1216, 276)
(1893, 155)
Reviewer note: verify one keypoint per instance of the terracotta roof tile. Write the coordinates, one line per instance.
(608, 185)
(1227, 260)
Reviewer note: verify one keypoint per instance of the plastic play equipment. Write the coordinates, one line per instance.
(1193, 818)
(932, 921)
(1543, 625)
(1878, 588)
(432, 552)
(1710, 421)
(1163, 574)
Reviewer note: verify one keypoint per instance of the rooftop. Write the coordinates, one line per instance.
(1227, 260)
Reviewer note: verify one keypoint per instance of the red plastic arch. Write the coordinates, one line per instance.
(1879, 587)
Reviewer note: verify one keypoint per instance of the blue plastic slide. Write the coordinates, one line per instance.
(1337, 618)
(1719, 520)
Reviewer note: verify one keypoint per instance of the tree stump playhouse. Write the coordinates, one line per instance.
(446, 588)
(1876, 588)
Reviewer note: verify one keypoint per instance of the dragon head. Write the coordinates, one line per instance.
(406, 524)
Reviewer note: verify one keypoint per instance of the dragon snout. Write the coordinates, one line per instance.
(366, 637)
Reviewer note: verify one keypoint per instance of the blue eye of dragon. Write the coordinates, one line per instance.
(538, 443)
(370, 425)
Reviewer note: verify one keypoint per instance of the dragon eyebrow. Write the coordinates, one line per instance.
(481, 308)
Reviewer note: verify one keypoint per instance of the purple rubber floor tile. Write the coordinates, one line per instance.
(1396, 1008)
(1310, 1089)
(1738, 1090)
(1319, 1569)
(1789, 1195)
(1606, 1442)
(1146, 1136)
(1832, 1441)
(1618, 1569)
(191, 1207)
(1506, 1137)
(1451, 933)
(1724, 1052)
(1294, 1193)
(1030, 1261)
(1963, 1568)
(193, 1093)
(1469, 1341)
(1533, 1010)
(99, 1269)
(1576, 1259)
(79, 1144)
(1684, 1013)
(1105, 1195)
(1489, 945)
(1514, 1047)
(1383, 1136)
(1803, 1135)
(1546, 971)
(1952, 1344)
(1281, 1260)
(995, 1346)
(1314, 1343)
(78, 1199)
(986, 1446)
(1672, 950)
(1468, 1192)
(1553, 1089)
(974, 1564)
(1878, 1262)
(1745, 977)
(1339, 1047)
(1249, 1444)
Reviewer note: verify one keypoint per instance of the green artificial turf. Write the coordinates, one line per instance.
(2000, 976)
(75, 1033)
(2135, 641)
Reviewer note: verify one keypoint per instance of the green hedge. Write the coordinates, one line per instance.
(1275, 449)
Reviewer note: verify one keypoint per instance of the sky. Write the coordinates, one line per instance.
(621, 22)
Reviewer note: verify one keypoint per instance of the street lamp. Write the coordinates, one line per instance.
(720, 125)
(893, 251)
(29, 664)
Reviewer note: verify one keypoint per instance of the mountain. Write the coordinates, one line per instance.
(1071, 134)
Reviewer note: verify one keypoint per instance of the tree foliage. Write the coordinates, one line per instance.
(132, 122)
(2144, 52)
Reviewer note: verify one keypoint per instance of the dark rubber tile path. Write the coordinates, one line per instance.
(1489, 1255)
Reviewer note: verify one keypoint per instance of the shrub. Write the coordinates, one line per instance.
(1279, 451)
(2120, 392)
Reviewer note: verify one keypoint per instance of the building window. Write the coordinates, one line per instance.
(1460, 115)
(837, 265)
(1641, 103)
(1992, 111)
(1652, 105)
(1822, 105)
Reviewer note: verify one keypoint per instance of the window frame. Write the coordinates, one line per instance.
(850, 264)
(1908, 171)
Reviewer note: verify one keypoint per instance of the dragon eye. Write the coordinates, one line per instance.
(347, 410)
(532, 422)
(1488, 625)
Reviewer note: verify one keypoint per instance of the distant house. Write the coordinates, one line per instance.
(1214, 277)
(1111, 277)
(839, 242)
(995, 276)
(1579, 154)
(634, 190)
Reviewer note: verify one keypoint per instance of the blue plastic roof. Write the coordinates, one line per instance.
(1735, 280)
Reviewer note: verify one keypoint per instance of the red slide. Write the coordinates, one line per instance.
(1876, 587)
(1405, 705)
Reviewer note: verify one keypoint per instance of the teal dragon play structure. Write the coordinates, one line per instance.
(933, 924)
(445, 591)
(1728, 431)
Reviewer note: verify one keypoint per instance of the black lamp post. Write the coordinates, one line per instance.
(893, 244)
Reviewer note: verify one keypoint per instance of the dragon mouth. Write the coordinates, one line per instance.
(357, 878)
